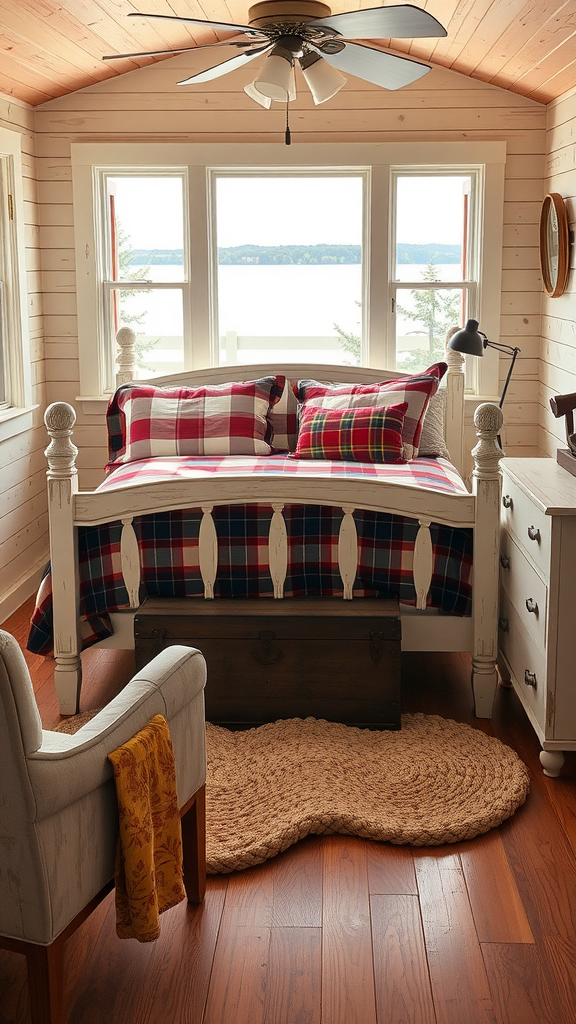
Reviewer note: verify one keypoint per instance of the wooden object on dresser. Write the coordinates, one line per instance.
(537, 601)
(295, 658)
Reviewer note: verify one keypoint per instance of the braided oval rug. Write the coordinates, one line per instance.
(434, 781)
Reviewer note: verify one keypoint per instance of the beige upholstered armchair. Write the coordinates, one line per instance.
(58, 809)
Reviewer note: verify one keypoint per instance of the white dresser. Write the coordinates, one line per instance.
(538, 599)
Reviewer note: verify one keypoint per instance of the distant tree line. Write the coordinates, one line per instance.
(300, 255)
(432, 252)
(297, 255)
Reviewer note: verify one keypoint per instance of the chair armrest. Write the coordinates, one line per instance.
(66, 768)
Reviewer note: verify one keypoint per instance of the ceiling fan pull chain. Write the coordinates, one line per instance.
(287, 137)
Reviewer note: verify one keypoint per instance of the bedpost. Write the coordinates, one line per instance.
(486, 480)
(126, 359)
(62, 486)
(454, 419)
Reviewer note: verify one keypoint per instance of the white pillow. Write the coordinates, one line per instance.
(432, 441)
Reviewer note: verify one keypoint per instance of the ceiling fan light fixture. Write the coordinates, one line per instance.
(292, 85)
(274, 78)
(322, 79)
(254, 94)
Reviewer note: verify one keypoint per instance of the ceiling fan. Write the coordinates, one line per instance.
(321, 43)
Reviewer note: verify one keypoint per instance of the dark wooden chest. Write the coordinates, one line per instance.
(292, 658)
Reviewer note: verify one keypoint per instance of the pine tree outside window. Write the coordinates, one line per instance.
(434, 281)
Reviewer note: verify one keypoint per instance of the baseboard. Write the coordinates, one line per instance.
(26, 587)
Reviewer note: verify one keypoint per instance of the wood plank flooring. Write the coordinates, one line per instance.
(338, 930)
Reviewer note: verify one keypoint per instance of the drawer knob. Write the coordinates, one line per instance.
(504, 625)
(532, 605)
(507, 501)
(505, 561)
(534, 533)
(530, 678)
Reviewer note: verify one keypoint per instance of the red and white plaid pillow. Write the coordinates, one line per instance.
(416, 391)
(352, 435)
(222, 419)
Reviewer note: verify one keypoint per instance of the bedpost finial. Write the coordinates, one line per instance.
(61, 452)
(126, 341)
(487, 452)
(454, 359)
(59, 416)
(488, 419)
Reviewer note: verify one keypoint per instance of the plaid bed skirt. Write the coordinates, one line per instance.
(168, 543)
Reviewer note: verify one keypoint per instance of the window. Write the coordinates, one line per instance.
(146, 274)
(288, 266)
(15, 385)
(434, 285)
(254, 253)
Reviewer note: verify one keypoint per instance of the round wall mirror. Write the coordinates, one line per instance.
(554, 244)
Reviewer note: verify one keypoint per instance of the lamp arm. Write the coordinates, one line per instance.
(509, 349)
(508, 375)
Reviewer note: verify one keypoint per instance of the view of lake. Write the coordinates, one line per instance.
(286, 300)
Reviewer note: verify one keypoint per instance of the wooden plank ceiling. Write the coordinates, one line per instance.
(52, 47)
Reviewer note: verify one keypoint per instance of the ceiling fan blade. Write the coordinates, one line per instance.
(376, 66)
(401, 22)
(221, 26)
(183, 49)
(224, 67)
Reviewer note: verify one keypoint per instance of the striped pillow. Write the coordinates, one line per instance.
(352, 435)
(416, 391)
(222, 419)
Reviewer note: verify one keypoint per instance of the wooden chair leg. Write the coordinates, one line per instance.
(46, 982)
(46, 965)
(194, 846)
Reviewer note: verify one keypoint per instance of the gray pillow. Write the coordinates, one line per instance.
(432, 438)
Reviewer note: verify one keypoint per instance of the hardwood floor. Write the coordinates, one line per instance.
(339, 930)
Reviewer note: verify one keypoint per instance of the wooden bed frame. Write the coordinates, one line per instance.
(422, 629)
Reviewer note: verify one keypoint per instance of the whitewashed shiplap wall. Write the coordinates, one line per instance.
(23, 515)
(558, 351)
(148, 105)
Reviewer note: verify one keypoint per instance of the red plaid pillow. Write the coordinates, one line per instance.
(352, 435)
(416, 391)
(222, 419)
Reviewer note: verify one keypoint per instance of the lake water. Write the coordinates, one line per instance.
(273, 301)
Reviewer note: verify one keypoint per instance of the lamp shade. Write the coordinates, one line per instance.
(322, 79)
(254, 94)
(469, 340)
(292, 85)
(274, 78)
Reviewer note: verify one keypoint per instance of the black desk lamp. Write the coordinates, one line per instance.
(472, 342)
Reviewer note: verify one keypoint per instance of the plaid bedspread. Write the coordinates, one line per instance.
(430, 474)
(168, 543)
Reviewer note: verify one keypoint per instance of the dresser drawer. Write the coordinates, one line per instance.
(527, 523)
(523, 656)
(525, 589)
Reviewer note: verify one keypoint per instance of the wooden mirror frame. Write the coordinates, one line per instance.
(554, 261)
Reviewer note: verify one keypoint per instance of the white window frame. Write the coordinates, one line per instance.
(16, 408)
(107, 363)
(470, 284)
(376, 159)
(364, 173)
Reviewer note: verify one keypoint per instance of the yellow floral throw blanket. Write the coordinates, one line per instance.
(149, 855)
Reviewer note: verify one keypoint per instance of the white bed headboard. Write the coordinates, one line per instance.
(454, 421)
